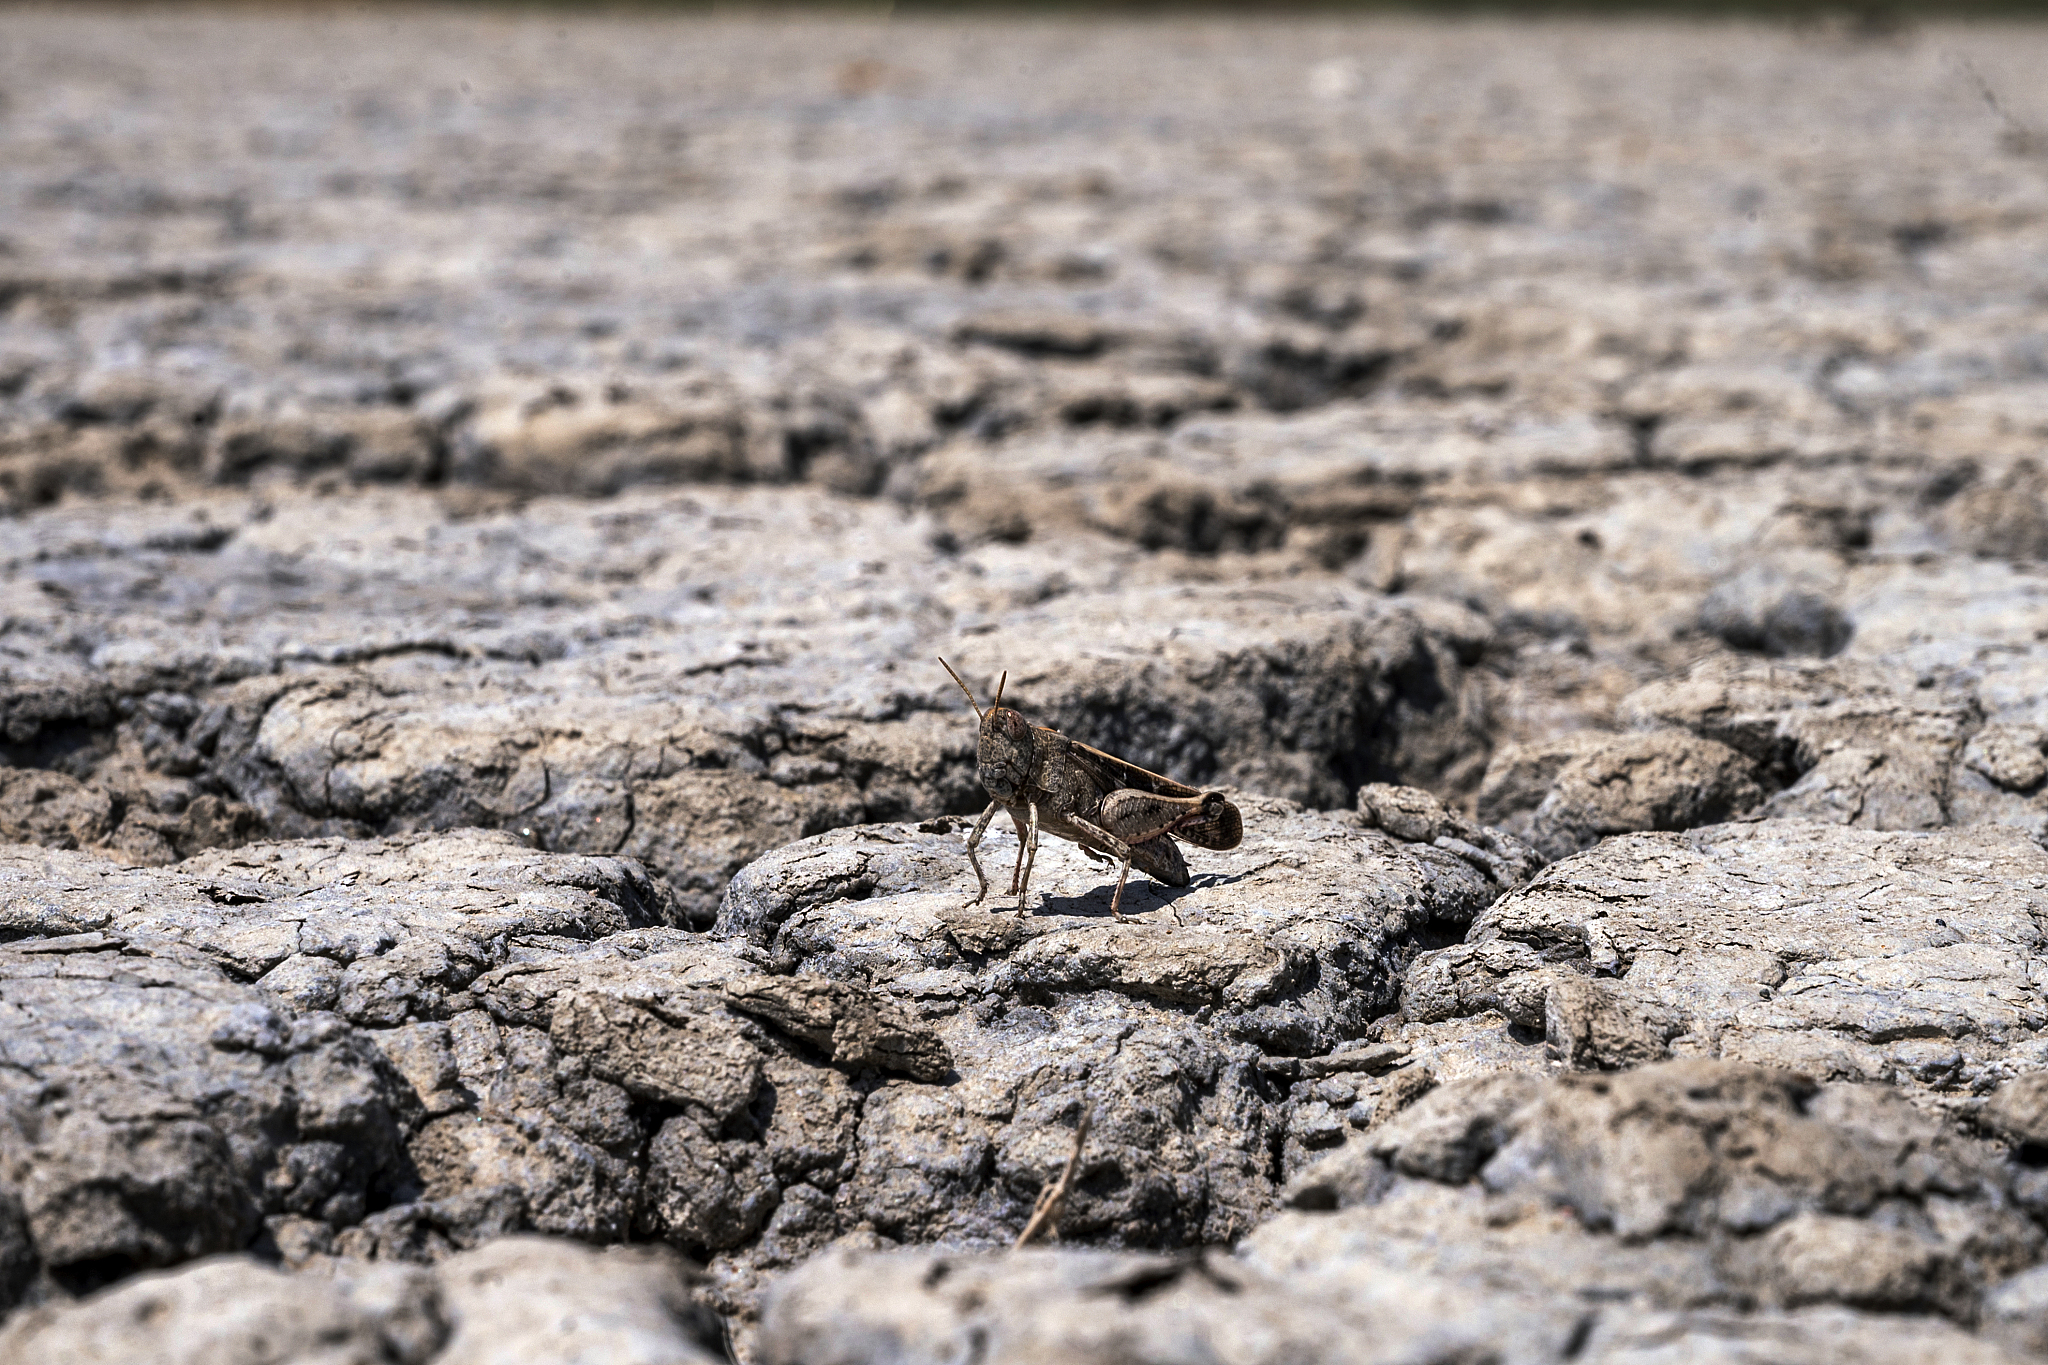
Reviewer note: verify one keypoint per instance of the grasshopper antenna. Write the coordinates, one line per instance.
(969, 691)
(999, 686)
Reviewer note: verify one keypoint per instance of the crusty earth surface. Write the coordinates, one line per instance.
(482, 829)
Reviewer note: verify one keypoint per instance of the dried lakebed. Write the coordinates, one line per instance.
(481, 868)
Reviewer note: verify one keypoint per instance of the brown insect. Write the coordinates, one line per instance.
(1115, 810)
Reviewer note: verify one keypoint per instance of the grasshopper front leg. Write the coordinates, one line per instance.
(1017, 869)
(973, 841)
(1030, 851)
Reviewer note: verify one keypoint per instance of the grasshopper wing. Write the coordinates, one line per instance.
(1111, 772)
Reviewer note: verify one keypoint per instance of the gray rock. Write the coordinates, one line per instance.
(158, 1110)
(689, 712)
(1683, 1193)
(1854, 743)
(1842, 953)
(1036, 1306)
(234, 1311)
(1181, 1032)
(518, 1299)
(1766, 611)
(1570, 794)
(530, 1298)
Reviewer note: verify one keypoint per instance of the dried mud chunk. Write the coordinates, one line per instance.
(922, 1307)
(40, 806)
(2015, 1312)
(305, 983)
(242, 447)
(1037, 333)
(811, 1121)
(1167, 513)
(535, 1299)
(2012, 756)
(1588, 1025)
(694, 1056)
(487, 1174)
(18, 1260)
(159, 1110)
(1161, 1026)
(1682, 1185)
(855, 1027)
(1847, 953)
(1818, 1258)
(1767, 611)
(1415, 816)
(2019, 1111)
(1519, 777)
(1668, 780)
(701, 828)
(2006, 520)
(1449, 1134)
(421, 977)
(601, 443)
(923, 1159)
(234, 1310)
(704, 1192)
(104, 1198)
(1859, 743)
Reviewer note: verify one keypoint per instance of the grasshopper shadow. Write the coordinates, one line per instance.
(1140, 898)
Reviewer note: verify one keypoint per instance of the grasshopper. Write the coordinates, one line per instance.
(1115, 810)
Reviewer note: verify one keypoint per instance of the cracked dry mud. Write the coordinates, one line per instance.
(481, 827)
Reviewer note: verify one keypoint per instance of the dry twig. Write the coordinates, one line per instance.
(1046, 1212)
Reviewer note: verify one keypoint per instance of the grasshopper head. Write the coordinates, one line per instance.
(1004, 761)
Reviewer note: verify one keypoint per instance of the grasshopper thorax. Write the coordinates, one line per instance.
(1004, 757)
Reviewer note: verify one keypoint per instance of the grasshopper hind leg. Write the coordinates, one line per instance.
(1117, 899)
(1109, 848)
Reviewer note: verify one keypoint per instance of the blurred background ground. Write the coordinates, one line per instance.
(1636, 339)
